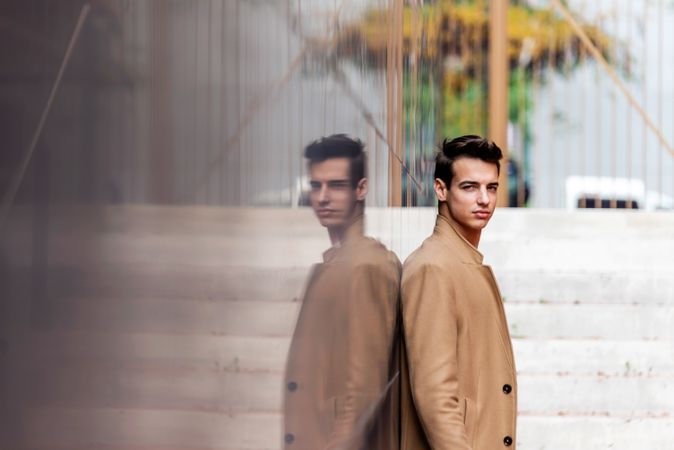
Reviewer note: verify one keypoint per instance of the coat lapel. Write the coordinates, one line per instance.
(502, 323)
(468, 254)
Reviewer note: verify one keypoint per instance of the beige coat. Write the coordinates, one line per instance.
(342, 374)
(459, 388)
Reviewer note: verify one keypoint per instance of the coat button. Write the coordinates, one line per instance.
(289, 438)
(292, 386)
(507, 389)
(507, 441)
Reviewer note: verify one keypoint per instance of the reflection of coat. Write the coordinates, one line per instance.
(342, 371)
(458, 361)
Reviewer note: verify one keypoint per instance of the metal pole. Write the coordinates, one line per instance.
(498, 88)
(394, 100)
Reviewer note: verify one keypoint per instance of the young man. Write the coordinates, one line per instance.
(342, 369)
(458, 376)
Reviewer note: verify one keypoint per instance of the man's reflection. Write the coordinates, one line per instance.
(342, 370)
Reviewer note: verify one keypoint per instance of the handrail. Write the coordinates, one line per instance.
(587, 42)
(10, 195)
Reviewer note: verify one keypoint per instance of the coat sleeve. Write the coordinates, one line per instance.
(370, 320)
(430, 327)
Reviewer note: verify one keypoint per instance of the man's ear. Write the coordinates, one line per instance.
(361, 190)
(440, 189)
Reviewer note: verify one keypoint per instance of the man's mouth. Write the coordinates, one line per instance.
(482, 214)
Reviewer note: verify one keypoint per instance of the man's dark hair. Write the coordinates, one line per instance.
(339, 146)
(470, 146)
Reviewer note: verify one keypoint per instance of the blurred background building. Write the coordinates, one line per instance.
(154, 243)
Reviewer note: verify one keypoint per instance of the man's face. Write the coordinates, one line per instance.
(333, 196)
(471, 198)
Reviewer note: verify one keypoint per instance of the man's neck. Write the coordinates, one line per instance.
(339, 234)
(336, 235)
(472, 236)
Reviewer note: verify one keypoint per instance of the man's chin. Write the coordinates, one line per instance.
(329, 222)
(479, 224)
(482, 224)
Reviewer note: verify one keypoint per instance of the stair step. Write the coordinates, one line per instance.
(149, 248)
(175, 280)
(596, 393)
(247, 353)
(594, 433)
(541, 320)
(650, 287)
(580, 356)
(145, 429)
(156, 315)
(147, 387)
(611, 254)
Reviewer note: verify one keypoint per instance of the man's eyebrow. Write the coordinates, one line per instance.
(337, 181)
(476, 183)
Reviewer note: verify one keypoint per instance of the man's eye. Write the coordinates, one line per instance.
(468, 187)
(492, 188)
(315, 186)
(338, 185)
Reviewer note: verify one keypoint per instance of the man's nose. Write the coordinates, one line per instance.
(323, 194)
(483, 197)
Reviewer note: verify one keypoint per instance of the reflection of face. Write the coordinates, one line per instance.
(332, 196)
(472, 195)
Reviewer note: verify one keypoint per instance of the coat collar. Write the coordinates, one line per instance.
(352, 235)
(447, 230)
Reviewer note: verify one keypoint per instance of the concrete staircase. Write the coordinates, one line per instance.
(590, 302)
(167, 328)
(590, 297)
(160, 328)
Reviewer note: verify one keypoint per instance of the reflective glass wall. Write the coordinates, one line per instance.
(154, 239)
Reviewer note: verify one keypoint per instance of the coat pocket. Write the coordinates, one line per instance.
(470, 419)
(465, 410)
